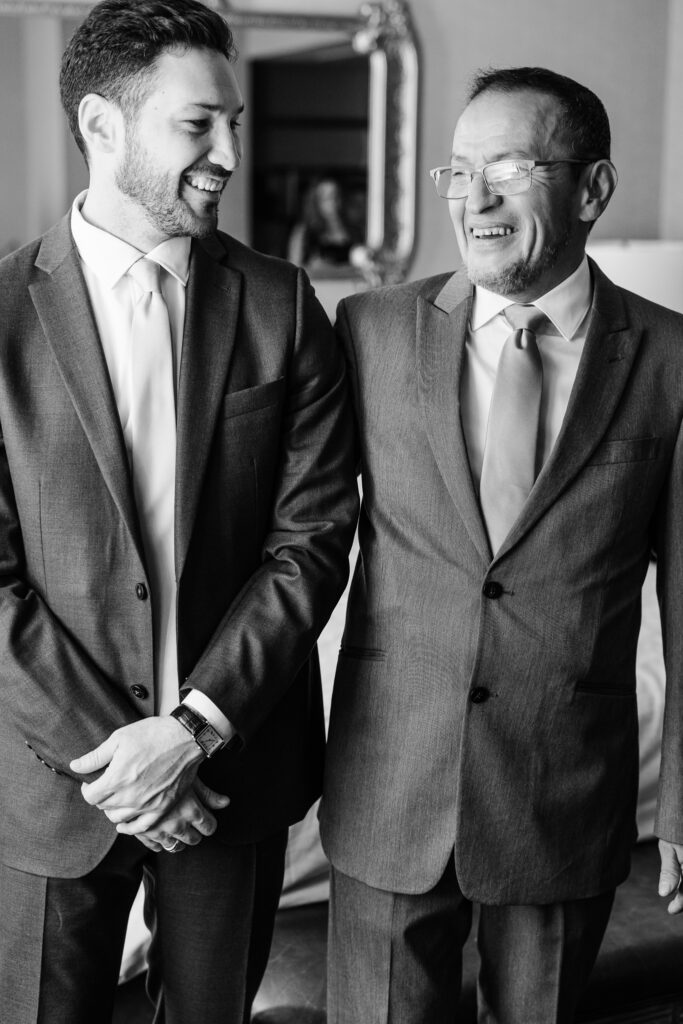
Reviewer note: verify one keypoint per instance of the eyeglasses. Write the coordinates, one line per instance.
(502, 177)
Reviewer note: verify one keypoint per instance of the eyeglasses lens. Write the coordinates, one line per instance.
(507, 178)
(503, 178)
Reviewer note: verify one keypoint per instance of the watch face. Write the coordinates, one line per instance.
(202, 732)
(209, 740)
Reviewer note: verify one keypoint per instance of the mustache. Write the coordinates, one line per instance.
(212, 170)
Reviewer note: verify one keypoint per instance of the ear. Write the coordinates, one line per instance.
(101, 124)
(597, 190)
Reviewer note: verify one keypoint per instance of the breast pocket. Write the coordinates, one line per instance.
(630, 449)
(250, 400)
(621, 484)
(250, 439)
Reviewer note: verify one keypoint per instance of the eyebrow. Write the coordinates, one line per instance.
(519, 154)
(212, 107)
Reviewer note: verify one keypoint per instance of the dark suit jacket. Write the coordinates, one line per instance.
(488, 705)
(265, 509)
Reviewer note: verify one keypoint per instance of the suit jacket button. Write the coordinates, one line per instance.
(479, 694)
(492, 589)
(141, 692)
(141, 591)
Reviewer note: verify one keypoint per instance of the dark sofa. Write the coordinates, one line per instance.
(638, 978)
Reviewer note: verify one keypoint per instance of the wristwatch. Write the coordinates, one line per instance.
(202, 732)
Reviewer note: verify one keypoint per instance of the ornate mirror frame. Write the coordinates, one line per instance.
(383, 30)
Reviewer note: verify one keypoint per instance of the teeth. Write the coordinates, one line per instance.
(491, 232)
(206, 184)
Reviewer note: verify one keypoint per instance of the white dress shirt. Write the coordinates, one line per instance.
(105, 260)
(567, 306)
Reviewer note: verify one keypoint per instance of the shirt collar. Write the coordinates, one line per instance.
(110, 257)
(566, 305)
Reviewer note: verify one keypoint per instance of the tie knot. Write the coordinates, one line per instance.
(527, 318)
(146, 273)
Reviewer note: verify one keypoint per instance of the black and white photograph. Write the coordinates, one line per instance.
(341, 512)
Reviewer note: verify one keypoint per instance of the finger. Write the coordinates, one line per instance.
(117, 815)
(160, 837)
(150, 844)
(206, 825)
(163, 824)
(190, 837)
(102, 791)
(188, 812)
(676, 905)
(209, 797)
(95, 759)
(670, 874)
(199, 827)
(145, 822)
(196, 815)
(174, 847)
(107, 799)
(203, 821)
(190, 818)
(111, 792)
(167, 843)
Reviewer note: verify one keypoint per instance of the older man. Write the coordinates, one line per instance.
(521, 454)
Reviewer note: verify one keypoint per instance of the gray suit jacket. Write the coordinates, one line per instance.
(488, 705)
(265, 510)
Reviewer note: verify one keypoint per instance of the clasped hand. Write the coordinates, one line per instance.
(149, 788)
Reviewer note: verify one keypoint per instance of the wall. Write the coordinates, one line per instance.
(12, 134)
(629, 51)
(670, 202)
(616, 47)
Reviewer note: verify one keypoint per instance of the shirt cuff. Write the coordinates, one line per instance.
(204, 706)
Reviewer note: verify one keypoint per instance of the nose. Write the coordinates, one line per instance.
(479, 197)
(226, 149)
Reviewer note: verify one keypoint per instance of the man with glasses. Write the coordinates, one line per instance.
(521, 451)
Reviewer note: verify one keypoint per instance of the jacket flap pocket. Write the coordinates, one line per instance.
(362, 653)
(631, 449)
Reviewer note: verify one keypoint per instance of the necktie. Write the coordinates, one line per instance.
(153, 446)
(509, 466)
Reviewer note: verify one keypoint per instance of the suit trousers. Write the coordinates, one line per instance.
(210, 908)
(397, 959)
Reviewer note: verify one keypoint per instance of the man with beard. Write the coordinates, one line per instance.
(521, 453)
(177, 500)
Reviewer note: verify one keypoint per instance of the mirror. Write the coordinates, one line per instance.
(366, 150)
(308, 112)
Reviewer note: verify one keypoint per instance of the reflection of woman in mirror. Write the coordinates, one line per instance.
(322, 237)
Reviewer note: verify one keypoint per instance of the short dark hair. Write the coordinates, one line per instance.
(585, 121)
(114, 51)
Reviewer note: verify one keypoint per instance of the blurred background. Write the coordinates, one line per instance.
(307, 112)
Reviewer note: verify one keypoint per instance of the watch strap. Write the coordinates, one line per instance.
(202, 732)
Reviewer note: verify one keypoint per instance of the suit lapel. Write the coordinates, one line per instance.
(212, 305)
(441, 333)
(604, 369)
(61, 302)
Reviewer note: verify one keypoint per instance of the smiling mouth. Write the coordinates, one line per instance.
(494, 232)
(205, 183)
